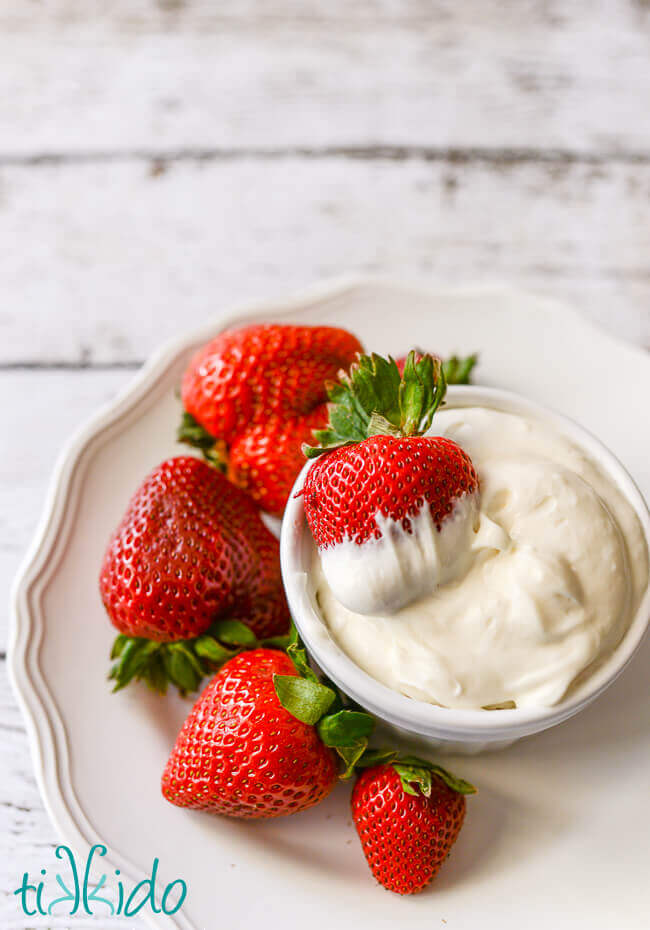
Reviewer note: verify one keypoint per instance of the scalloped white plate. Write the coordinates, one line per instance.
(558, 834)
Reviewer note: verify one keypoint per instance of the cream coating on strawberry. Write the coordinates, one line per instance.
(393, 513)
(401, 566)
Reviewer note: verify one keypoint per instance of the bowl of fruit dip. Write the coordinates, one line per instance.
(500, 599)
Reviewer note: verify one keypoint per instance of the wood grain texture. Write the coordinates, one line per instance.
(45, 408)
(175, 74)
(102, 262)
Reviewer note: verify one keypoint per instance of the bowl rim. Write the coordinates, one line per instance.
(419, 717)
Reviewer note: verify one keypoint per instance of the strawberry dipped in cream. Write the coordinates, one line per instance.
(394, 514)
(506, 592)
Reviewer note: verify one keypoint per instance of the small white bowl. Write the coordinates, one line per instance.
(455, 730)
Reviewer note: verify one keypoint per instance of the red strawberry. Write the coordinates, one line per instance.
(408, 817)
(268, 456)
(260, 390)
(241, 753)
(346, 489)
(396, 486)
(191, 549)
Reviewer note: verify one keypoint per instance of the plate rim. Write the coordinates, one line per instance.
(45, 728)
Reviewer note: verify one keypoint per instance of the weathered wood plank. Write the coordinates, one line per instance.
(101, 262)
(169, 74)
(26, 836)
(40, 412)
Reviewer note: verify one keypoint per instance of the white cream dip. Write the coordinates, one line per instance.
(539, 582)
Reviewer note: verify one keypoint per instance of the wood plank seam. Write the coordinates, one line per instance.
(66, 365)
(452, 155)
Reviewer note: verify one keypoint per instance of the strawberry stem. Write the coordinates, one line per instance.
(415, 774)
(374, 398)
(421, 391)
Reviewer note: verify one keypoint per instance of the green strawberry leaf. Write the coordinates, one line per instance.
(337, 704)
(415, 761)
(134, 655)
(306, 700)
(380, 426)
(156, 679)
(277, 642)
(453, 781)
(294, 638)
(413, 770)
(298, 656)
(119, 643)
(193, 434)
(183, 663)
(410, 775)
(373, 398)
(416, 774)
(234, 633)
(350, 756)
(183, 668)
(207, 647)
(345, 728)
(421, 391)
(375, 383)
(458, 370)
(183, 649)
(376, 757)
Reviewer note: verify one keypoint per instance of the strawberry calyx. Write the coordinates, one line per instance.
(346, 728)
(186, 662)
(191, 433)
(457, 368)
(416, 774)
(374, 398)
(340, 725)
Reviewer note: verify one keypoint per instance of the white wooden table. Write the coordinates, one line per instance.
(160, 160)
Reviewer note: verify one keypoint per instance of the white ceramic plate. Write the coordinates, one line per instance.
(558, 833)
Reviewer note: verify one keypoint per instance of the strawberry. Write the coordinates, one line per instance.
(267, 457)
(408, 814)
(241, 753)
(260, 742)
(190, 550)
(377, 479)
(257, 392)
(345, 490)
